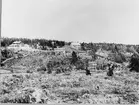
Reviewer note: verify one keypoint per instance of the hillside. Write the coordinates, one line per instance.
(60, 76)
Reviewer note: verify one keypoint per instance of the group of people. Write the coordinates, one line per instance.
(111, 67)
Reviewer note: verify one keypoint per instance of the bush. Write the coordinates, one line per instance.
(6, 54)
(134, 63)
(74, 58)
(80, 64)
(41, 69)
(118, 57)
(131, 98)
(16, 99)
(62, 63)
(58, 64)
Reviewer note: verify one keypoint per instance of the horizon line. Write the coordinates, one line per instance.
(71, 41)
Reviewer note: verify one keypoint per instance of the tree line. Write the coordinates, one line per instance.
(33, 42)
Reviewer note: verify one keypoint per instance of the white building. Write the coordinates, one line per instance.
(18, 45)
(75, 45)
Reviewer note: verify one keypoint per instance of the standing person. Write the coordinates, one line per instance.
(86, 68)
(74, 57)
(110, 70)
(87, 71)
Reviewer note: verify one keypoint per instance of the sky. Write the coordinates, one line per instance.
(112, 21)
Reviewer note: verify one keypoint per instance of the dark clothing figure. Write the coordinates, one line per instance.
(88, 72)
(74, 58)
(86, 68)
(111, 68)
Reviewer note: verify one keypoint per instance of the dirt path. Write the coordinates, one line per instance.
(9, 71)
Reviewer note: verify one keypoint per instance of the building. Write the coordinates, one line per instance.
(65, 50)
(18, 45)
(68, 50)
(102, 53)
(75, 45)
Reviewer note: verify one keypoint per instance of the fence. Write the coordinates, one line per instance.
(92, 66)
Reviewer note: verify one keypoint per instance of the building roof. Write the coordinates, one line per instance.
(75, 44)
(68, 48)
(17, 42)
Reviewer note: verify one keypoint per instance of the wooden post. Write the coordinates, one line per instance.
(0, 30)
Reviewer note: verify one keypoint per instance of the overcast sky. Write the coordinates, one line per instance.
(72, 20)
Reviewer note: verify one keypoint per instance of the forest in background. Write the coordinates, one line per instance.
(84, 46)
(118, 52)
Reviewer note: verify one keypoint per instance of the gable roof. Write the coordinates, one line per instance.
(75, 44)
(17, 42)
(68, 48)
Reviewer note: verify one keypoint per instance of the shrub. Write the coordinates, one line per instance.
(134, 63)
(62, 63)
(41, 69)
(16, 99)
(80, 64)
(74, 57)
(118, 57)
(6, 54)
(131, 98)
(58, 64)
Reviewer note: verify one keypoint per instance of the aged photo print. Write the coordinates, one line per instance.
(69, 51)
